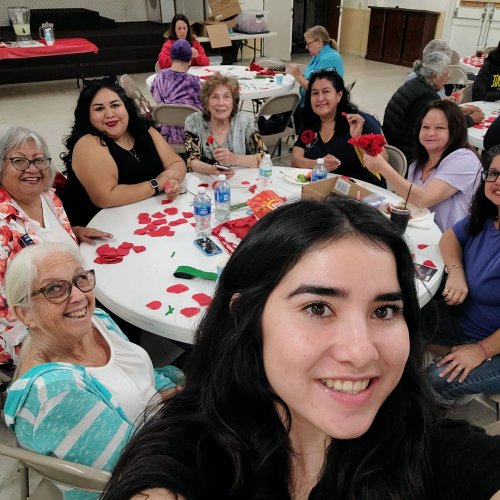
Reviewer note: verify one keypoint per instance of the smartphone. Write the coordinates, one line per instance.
(207, 246)
(222, 167)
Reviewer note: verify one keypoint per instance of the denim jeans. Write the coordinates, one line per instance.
(484, 378)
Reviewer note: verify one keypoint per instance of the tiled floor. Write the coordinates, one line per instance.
(47, 107)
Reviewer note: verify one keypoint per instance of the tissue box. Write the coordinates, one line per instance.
(253, 21)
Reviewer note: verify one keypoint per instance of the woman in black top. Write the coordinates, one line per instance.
(487, 83)
(114, 157)
(305, 380)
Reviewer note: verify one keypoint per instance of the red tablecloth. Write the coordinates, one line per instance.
(61, 47)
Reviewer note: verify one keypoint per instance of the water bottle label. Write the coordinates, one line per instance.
(318, 176)
(265, 173)
(222, 196)
(202, 210)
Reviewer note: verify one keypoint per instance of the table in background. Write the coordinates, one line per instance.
(250, 86)
(475, 134)
(472, 64)
(242, 37)
(61, 47)
(127, 287)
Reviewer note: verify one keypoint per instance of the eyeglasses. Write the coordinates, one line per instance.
(490, 175)
(309, 43)
(60, 290)
(324, 71)
(23, 164)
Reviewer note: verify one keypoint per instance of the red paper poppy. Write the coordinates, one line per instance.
(154, 305)
(210, 139)
(371, 143)
(190, 311)
(307, 137)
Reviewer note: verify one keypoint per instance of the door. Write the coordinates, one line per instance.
(280, 20)
(332, 18)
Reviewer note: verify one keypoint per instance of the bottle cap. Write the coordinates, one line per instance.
(202, 190)
(321, 161)
(222, 177)
(267, 156)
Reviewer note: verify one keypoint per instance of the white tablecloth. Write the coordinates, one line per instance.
(475, 134)
(251, 86)
(127, 287)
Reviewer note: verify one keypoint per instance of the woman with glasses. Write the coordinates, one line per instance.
(30, 213)
(325, 54)
(330, 121)
(470, 312)
(80, 385)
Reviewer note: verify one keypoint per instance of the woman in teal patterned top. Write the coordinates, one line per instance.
(80, 385)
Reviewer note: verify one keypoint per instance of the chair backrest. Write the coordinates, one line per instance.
(279, 104)
(172, 114)
(455, 57)
(129, 86)
(157, 66)
(397, 161)
(457, 76)
(467, 93)
(350, 85)
(60, 471)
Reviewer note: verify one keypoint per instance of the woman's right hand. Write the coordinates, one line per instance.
(456, 288)
(293, 70)
(194, 52)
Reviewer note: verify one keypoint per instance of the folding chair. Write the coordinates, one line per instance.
(283, 105)
(457, 77)
(467, 93)
(397, 161)
(174, 115)
(133, 91)
(53, 470)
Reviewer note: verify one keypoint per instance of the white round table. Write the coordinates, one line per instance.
(472, 64)
(251, 86)
(476, 133)
(141, 278)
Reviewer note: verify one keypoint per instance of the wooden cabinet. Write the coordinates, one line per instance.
(398, 36)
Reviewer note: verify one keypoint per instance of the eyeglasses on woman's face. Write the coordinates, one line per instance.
(490, 175)
(23, 164)
(309, 43)
(60, 290)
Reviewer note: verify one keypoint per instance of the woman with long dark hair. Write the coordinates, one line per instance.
(305, 380)
(114, 157)
(180, 29)
(445, 171)
(487, 83)
(470, 311)
(331, 119)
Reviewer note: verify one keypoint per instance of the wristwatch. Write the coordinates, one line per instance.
(154, 184)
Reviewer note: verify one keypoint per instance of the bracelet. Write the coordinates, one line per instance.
(454, 266)
(486, 354)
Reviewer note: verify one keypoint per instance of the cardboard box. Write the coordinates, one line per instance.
(223, 9)
(216, 32)
(341, 185)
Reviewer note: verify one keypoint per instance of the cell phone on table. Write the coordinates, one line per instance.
(207, 246)
(222, 167)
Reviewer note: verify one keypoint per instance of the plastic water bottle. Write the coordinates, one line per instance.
(319, 171)
(222, 194)
(202, 213)
(265, 172)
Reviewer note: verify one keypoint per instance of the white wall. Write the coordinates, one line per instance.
(119, 10)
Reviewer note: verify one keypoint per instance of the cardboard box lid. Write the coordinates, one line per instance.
(222, 9)
(339, 185)
(216, 32)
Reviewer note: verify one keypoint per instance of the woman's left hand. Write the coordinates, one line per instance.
(223, 156)
(356, 123)
(461, 361)
(89, 234)
(172, 188)
(194, 53)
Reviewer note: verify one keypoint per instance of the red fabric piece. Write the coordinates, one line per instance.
(188, 215)
(154, 305)
(245, 183)
(171, 211)
(140, 232)
(190, 311)
(107, 260)
(126, 244)
(239, 227)
(158, 215)
(371, 143)
(122, 251)
(139, 248)
(179, 288)
(203, 299)
(159, 222)
(253, 188)
(166, 201)
(422, 246)
(429, 263)
(177, 222)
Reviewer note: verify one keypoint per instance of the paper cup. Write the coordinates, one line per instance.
(400, 217)
(278, 79)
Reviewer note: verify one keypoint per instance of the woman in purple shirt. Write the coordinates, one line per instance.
(444, 172)
(470, 312)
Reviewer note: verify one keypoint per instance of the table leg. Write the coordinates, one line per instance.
(79, 71)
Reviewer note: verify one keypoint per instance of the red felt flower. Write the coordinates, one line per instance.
(371, 143)
(211, 139)
(307, 137)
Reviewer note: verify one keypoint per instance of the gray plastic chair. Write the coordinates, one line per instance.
(53, 470)
(397, 161)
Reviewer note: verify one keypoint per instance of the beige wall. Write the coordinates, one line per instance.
(355, 24)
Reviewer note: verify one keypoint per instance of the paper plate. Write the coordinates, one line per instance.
(292, 179)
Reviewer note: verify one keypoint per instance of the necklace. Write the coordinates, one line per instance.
(134, 154)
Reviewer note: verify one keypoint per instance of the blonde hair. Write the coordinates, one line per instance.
(319, 33)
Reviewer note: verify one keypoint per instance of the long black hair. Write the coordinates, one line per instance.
(457, 130)
(311, 119)
(137, 125)
(483, 209)
(226, 435)
(171, 29)
(494, 56)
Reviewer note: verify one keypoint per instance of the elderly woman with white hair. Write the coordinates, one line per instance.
(80, 385)
(30, 213)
